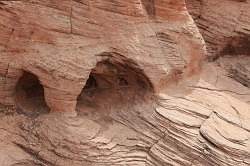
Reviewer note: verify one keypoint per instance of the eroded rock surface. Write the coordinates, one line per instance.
(100, 83)
(224, 24)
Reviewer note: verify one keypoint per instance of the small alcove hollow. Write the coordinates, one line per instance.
(29, 96)
(114, 84)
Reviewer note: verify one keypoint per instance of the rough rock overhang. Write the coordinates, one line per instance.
(62, 43)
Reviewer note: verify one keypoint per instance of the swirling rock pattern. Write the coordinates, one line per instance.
(114, 82)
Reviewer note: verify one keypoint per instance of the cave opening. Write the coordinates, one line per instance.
(114, 84)
(29, 96)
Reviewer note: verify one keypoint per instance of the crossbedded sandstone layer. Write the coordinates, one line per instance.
(61, 42)
(130, 72)
(224, 24)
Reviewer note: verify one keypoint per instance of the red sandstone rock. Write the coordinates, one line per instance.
(133, 74)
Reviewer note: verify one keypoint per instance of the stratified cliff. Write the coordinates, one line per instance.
(114, 82)
(224, 24)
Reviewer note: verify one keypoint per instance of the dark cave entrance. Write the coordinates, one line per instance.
(30, 96)
(114, 84)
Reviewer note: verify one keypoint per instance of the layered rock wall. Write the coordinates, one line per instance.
(134, 75)
(224, 25)
(61, 42)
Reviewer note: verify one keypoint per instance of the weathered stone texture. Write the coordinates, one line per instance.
(224, 24)
(61, 43)
(124, 82)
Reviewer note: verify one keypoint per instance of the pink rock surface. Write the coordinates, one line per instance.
(114, 82)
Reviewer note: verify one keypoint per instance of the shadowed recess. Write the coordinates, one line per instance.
(238, 46)
(149, 6)
(30, 96)
(114, 83)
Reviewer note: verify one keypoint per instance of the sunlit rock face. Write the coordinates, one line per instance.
(115, 82)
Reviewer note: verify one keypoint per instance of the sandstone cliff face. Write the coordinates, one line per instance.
(112, 82)
(224, 24)
(62, 43)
